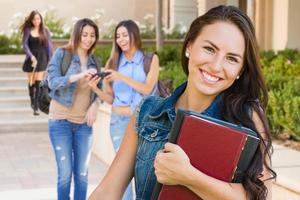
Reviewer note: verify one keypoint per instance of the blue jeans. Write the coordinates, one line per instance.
(72, 147)
(118, 125)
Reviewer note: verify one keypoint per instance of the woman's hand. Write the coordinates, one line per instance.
(91, 114)
(170, 165)
(33, 61)
(88, 73)
(84, 74)
(93, 81)
(114, 75)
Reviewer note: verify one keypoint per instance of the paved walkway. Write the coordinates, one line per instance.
(27, 167)
(286, 163)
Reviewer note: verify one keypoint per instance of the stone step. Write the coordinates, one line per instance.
(13, 81)
(18, 113)
(15, 102)
(16, 64)
(13, 91)
(12, 61)
(38, 124)
(11, 72)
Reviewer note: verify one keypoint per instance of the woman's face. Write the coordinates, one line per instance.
(88, 37)
(36, 21)
(216, 58)
(123, 39)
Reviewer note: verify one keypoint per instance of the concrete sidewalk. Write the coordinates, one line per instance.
(28, 170)
(286, 163)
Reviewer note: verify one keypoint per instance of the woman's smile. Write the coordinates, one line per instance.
(208, 78)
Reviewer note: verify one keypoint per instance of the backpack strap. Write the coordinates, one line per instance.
(66, 60)
(97, 62)
(147, 62)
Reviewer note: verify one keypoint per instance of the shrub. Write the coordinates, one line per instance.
(55, 25)
(169, 53)
(172, 71)
(10, 44)
(178, 32)
(282, 73)
(103, 53)
(4, 44)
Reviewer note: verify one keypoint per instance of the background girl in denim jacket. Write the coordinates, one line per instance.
(73, 110)
(38, 49)
(221, 58)
(127, 82)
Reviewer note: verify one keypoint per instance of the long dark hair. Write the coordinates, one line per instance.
(42, 29)
(76, 34)
(246, 95)
(135, 40)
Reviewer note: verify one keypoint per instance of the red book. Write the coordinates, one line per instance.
(217, 148)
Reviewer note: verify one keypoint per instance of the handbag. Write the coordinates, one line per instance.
(43, 97)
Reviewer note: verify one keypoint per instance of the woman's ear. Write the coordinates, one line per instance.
(187, 50)
(240, 74)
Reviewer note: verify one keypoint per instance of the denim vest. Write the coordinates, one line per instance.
(61, 90)
(155, 116)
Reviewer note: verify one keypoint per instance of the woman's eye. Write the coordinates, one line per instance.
(232, 60)
(209, 50)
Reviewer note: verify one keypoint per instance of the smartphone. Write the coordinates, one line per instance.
(102, 74)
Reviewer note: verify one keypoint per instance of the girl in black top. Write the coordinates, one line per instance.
(38, 49)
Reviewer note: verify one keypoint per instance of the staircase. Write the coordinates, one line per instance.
(15, 111)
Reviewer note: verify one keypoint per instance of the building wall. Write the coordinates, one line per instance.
(143, 8)
(276, 21)
(286, 27)
(263, 23)
(205, 5)
(68, 9)
(280, 24)
(293, 31)
(183, 12)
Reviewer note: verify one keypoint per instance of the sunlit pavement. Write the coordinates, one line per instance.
(27, 167)
(34, 194)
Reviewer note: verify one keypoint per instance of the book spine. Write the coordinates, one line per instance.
(175, 130)
(173, 136)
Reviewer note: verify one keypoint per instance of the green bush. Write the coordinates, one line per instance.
(103, 53)
(4, 44)
(290, 54)
(169, 54)
(282, 73)
(176, 33)
(173, 71)
(10, 45)
(55, 25)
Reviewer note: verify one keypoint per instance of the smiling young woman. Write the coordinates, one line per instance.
(127, 82)
(220, 55)
(73, 109)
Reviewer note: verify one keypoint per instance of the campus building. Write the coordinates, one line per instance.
(276, 21)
